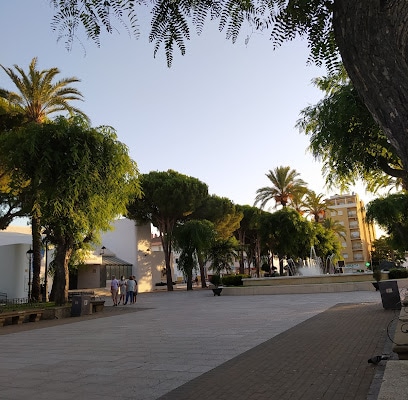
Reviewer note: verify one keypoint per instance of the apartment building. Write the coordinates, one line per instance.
(349, 211)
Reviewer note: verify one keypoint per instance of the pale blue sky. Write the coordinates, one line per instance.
(224, 113)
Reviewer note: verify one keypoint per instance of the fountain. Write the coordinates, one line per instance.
(312, 277)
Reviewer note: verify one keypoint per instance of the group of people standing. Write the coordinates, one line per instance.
(124, 290)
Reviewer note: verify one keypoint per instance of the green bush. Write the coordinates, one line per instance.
(398, 273)
(377, 274)
(215, 280)
(233, 280)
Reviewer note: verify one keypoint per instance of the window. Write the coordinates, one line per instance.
(345, 255)
(118, 271)
(340, 212)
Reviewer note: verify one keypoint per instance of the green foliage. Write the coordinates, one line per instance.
(310, 18)
(80, 179)
(344, 135)
(168, 198)
(285, 183)
(81, 176)
(286, 232)
(222, 212)
(169, 26)
(398, 273)
(171, 19)
(315, 205)
(193, 238)
(222, 255)
(326, 242)
(215, 279)
(377, 274)
(93, 16)
(39, 95)
(383, 251)
(390, 213)
(335, 226)
(233, 280)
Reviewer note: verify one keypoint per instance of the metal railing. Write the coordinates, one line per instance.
(19, 303)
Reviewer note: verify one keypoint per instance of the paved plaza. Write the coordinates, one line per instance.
(193, 345)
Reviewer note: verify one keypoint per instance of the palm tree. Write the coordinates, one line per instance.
(285, 183)
(38, 96)
(298, 199)
(335, 226)
(315, 205)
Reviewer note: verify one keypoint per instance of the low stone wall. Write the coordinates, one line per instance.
(255, 287)
(317, 279)
(57, 312)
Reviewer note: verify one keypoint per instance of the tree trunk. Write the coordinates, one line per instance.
(166, 243)
(201, 263)
(36, 238)
(241, 239)
(61, 283)
(258, 255)
(372, 38)
(190, 279)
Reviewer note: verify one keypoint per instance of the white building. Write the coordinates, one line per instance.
(128, 249)
(14, 263)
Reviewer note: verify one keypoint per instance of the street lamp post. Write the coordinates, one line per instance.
(29, 254)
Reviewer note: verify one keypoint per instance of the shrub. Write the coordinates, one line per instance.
(398, 273)
(377, 274)
(215, 279)
(233, 280)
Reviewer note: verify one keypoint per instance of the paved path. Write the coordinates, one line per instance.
(190, 345)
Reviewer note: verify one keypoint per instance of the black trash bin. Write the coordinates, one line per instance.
(81, 305)
(390, 295)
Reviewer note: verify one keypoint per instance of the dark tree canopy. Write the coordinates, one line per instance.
(391, 213)
(370, 36)
(345, 137)
(168, 198)
(79, 178)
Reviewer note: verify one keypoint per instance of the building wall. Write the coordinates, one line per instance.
(122, 241)
(89, 276)
(349, 210)
(14, 270)
(150, 261)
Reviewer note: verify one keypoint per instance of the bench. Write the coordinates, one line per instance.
(82, 293)
(20, 316)
(97, 305)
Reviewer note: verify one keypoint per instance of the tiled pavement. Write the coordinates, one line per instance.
(324, 357)
(192, 345)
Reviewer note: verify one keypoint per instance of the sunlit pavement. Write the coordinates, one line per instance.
(172, 339)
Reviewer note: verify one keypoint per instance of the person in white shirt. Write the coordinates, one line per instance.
(122, 290)
(114, 290)
(130, 288)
